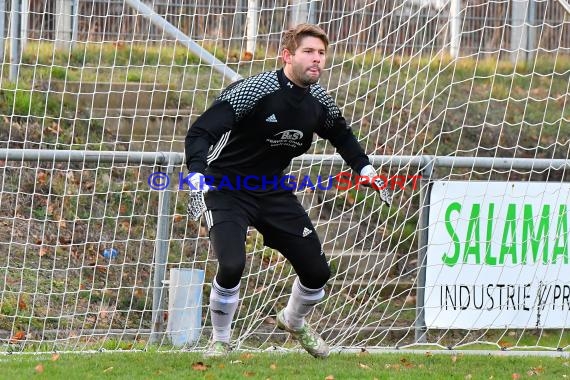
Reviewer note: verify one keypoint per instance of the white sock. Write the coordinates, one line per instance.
(223, 305)
(300, 304)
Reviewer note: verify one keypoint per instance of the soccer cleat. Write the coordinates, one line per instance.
(217, 349)
(310, 340)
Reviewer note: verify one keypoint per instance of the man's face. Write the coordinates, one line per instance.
(305, 65)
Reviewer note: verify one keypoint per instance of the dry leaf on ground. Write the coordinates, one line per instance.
(199, 366)
(39, 368)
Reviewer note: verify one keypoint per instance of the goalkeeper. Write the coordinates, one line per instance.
(253, 130)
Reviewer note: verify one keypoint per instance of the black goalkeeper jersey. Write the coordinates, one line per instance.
(256, 126)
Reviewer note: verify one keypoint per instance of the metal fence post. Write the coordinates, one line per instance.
(2, 26)
(423, 225)
(523, 35)
(15, 40)
(63, 24)
(74, 22)
(160, 261)
(532, 43)
(251, 25)
(299, 12)
(454, 27)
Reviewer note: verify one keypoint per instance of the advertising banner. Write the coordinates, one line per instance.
(497, 255)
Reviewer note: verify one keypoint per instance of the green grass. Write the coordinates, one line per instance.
(154, 365)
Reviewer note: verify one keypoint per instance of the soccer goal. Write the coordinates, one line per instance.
(464, 107)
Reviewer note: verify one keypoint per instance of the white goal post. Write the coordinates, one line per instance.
(463, 106)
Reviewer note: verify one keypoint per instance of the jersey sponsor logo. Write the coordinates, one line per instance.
(306, 232)
(290, 137)
(290, 134)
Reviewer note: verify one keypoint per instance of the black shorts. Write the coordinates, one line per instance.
(277, 215)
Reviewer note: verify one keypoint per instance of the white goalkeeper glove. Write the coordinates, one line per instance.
(372, 179)
(196, 203)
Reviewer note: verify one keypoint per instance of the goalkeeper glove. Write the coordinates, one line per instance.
(374, 181)
(196, 203)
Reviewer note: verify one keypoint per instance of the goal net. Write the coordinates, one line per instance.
(464, 106)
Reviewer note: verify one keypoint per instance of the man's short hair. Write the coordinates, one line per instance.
(292, 37)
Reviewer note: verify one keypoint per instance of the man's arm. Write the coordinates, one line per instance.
(343, 139)
(337, 131)
(205, 132)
